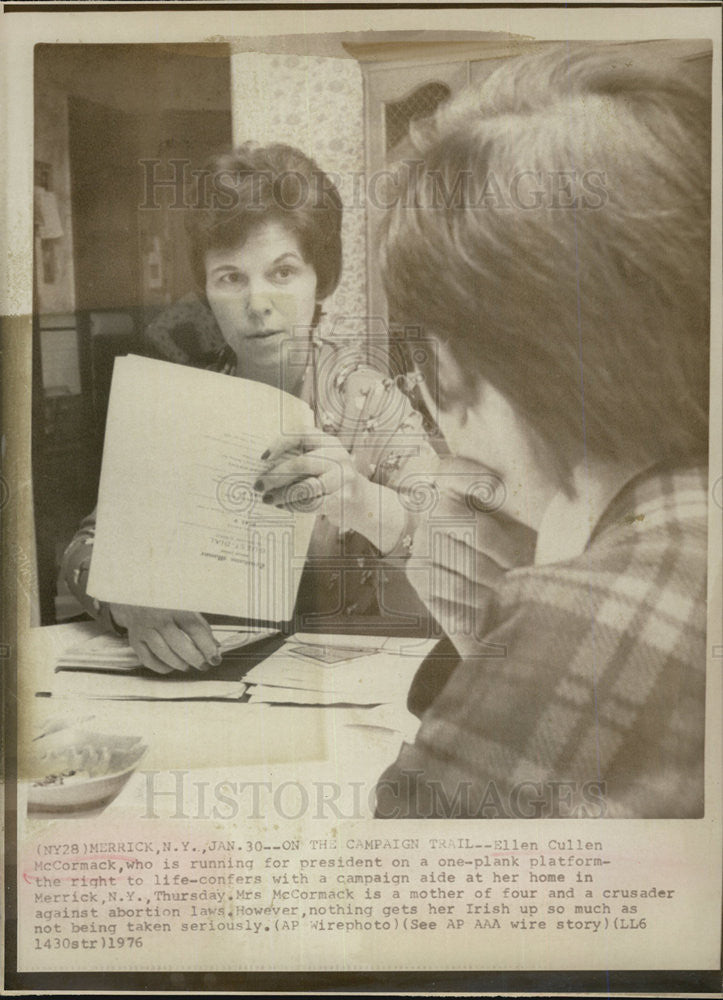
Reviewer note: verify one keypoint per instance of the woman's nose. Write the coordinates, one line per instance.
(258, 303)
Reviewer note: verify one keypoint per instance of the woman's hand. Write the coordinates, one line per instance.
(315, 473)
(312, 472)
(303, 469)
(463, 550)
(458, 588)
(165, 641)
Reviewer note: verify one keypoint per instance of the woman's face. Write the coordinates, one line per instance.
(263, 294)
(490, 434)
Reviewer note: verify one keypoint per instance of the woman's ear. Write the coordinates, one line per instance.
(453, 383)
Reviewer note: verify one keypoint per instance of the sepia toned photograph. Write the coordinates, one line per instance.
(363, 465)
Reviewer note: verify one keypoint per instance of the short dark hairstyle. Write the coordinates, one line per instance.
(253, 183)
(590, 316)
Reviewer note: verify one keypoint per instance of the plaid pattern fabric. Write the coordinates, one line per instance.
(602, 685)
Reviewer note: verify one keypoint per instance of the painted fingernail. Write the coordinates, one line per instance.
(267, 498)
(266, 454)
(259, 486)
(215, 660)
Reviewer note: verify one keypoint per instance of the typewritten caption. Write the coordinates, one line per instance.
(127, 896)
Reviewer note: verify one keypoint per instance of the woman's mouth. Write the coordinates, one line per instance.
(263, 334)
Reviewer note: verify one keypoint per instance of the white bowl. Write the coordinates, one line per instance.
(101, 762)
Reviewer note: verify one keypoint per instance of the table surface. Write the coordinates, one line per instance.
(212, 741)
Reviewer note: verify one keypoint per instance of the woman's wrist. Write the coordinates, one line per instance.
(376, 513)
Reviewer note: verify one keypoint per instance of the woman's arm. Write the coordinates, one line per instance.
(164, 640)
(76, 566)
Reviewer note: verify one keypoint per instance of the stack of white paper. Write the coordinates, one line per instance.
(309, 669)
(179, 523)
(332, 670)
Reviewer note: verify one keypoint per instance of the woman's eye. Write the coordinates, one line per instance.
(231, 278)
(283, 273)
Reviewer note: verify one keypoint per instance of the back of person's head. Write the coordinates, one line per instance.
(254, 184)
(554, 231)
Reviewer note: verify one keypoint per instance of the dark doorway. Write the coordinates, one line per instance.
(109, 265)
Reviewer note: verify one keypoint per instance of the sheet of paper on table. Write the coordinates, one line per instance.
(329, 669)
(308, 669)
(179, 524)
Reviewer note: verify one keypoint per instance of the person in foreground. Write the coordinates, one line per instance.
(265, 245)
(553, 237)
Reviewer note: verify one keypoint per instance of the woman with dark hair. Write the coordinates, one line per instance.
(265, 242)
(553, 236)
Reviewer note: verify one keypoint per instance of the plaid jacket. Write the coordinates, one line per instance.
(596, 706)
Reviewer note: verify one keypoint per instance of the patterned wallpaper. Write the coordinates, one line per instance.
(315, 103)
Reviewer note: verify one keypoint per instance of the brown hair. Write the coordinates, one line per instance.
(555, 233)
(254, 183)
